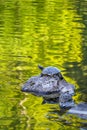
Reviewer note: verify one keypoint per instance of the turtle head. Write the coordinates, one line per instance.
(40, 67)
(60, 75)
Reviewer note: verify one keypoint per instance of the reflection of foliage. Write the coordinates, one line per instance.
(66, 121)
(54, 30)
(32, 32)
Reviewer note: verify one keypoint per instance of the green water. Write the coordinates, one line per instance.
(46, 32)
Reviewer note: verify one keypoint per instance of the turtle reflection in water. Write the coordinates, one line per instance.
(51, 85)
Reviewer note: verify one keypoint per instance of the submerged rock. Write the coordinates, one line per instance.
(79, 110)
(50, 84)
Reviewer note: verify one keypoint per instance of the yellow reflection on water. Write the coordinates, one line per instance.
(33, 32)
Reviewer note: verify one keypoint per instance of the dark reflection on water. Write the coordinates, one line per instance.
(49, 32)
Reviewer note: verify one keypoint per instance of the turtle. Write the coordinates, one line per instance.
(50, 71)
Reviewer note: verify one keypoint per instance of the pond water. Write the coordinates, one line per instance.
(46, 32)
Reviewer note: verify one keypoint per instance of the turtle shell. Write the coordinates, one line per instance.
(50, 71)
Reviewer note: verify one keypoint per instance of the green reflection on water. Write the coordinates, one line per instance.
(40, 32)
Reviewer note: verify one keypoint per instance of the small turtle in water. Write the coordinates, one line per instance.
(50, 71)
(51, 85)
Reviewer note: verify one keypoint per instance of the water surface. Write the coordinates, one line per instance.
(46, 32)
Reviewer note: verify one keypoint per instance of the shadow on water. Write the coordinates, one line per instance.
(49, 32)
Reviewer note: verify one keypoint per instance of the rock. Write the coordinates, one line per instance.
(50, 84)
(80, 110)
